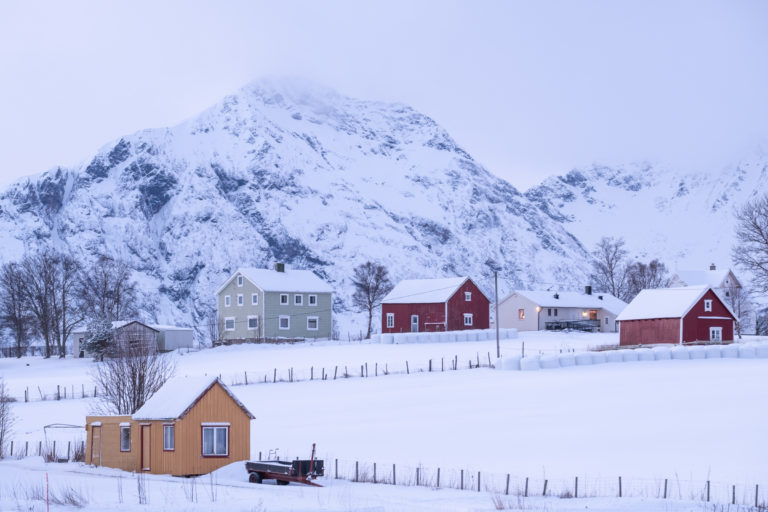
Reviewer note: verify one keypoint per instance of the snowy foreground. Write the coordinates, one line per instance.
(683, 421)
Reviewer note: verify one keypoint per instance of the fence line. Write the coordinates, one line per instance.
(69, 451)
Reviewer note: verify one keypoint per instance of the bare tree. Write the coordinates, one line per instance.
(66, 311)
(609, 267)
(39, 284)
(740, 301)
(107, 290)
(372, 284)
(643, 276)
(132, 372)
(14, 311)
(761, 322)
(7, 418)
(752, 238)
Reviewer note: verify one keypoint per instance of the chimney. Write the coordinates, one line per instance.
(712, 267)
(279, 267)
(557, 295)
(588, 290)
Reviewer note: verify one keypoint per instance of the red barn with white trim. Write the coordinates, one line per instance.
(676, 315)
(428, 305)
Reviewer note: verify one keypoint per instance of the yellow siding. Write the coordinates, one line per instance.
(111, 456)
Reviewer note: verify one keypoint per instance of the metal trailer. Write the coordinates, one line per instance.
(284, 472)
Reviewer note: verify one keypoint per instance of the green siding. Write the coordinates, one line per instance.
(240, 313)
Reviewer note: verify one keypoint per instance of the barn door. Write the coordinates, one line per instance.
(414, 323)
(96, 445)
(145, 448)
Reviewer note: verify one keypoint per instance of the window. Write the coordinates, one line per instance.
(708, 305)
(312, 323)
(125, 439)
(169, 438)
(312, 300)
(390, 320)
(227, 300)
(284, 322)
(467, 296)
(215, 441)
(549, 311)
(555, 311)
(239, 299)
(298, 300)
(254, 299)
(521, 314)
(716, 334)
(229, 323)
(239, 280)
(284, 298)
(606, 320)
(467, 318)
(253, 323)
(727, 293)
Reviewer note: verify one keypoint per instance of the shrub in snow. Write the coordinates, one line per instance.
(629, 355)
(761, 350)
(614, 356)
(662, 353)
(729, 351)
(529, 363)
(583, 359)
(643, 354)
(746, 352)
(567, 360)
(712, 351)
(697, 352)
(549, 362)
(598, 357)
(680, 353)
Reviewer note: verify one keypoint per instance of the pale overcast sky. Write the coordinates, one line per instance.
(530, 89)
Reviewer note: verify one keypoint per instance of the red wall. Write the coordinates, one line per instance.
(478, 306)
(431, 316)
(643, 332)
(697, 329)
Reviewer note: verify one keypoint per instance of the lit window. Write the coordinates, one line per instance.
(125, 439)
(239, 280)
(253, 323)
(298, 300)
(215, 441)
(283, 298)
(467, 296)
(312, 323)
(708, 305)
(227, 300)
(229, 323)
(284, 322)
(467, 318)
(254, 299)
(390, 320)
(169, 438)
(312, 300)
(521, 314)
(239, 299)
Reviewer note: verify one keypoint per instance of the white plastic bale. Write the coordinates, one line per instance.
(387, 338)
(746, 352)
(761, 350)
(567, 360)
(584, 359)
(680, 353)
(511, 363)
(644, 354)
(614, 356)
(662, 353)
(598, 358)
(697, 352)
(529, 363)
(549, 362)
(629, 355)
(712, 351)
(729, 351)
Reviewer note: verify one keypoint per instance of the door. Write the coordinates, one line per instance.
(96, 445)
(716, 334)
(414, 323)
(145, 448)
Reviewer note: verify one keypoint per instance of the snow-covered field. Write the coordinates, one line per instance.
(688, 421)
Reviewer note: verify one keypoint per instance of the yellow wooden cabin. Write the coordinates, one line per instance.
(191, 426)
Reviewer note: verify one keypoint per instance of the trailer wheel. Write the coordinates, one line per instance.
(254, 478)
(282, 482)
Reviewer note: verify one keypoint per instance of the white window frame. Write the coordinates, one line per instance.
(239, 281)
(298, 299)
(240, 299)
(123, 438)
(169, 447)
(217, 450)
(254, 299)
(317, 323)
(287, 301)
(468, 316)
(310, 301)
(227, 301)
(390, 320)
(280, 322)
(719, 331)
(467, 296)
(521, 314)
(707, 304)
(253, 317)
(227, 319)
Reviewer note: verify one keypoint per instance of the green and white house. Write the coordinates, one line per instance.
(277, 303)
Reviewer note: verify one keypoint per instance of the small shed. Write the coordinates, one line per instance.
(676, 315)
(191, 426)
(419, 305)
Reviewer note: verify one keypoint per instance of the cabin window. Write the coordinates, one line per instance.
(467, 318)
(229, 323)
(253, 323)
(239, 280)
(254, 299)
(284, 322)
(215, 441)
(125, 439)
(521, 314)
(298, 300)
(312, 300)
(227, 300)
(708, 305)
(606, 320)
(390, 320)
(169, 438)
(312, 323)
(549, 311)
(716, 334)
(239, 299)
(284, 299)
(467, 296)
(555, 311)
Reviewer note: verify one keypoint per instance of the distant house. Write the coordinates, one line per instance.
(418, 305)
(723, 281)
(166, 337)
(279, 303)
(676, 315)
(191, 426)
(529, 310)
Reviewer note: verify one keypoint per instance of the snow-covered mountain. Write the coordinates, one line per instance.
(292, 172)
(684, 218)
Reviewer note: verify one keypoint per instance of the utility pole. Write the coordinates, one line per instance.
(496, 315)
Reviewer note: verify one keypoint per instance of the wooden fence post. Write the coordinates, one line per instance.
(506, 491)
(478, 481)
(337, 469)
(576, 488)
(442, 364)
(335, 371)
(376, 369)
(526, 487)
(69, 449)
(619, 487)
(39, 448)
(707, 490)
(462, 480)
(58, 392)
(11, 450)
(394, 475)
(417, 477)
(438, 477)
(756, 488)
(54, 451)
(407, 370)
(733, 496)
(374, 472)
(274, 376)
(366, 370)
(544, 493)
(430, 365)
(26, 448)
(665, 488)
(356, 471)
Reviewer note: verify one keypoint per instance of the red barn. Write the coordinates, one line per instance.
(419, 305)
(676, 315)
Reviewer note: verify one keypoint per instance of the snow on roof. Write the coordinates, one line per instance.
(663, 303)
(425, 291)
(289, 281)
(711, 278)
(174, 399)
(158, 327)
(547, 299)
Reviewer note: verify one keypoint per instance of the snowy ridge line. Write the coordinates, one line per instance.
(751, 350)
(580, 486)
